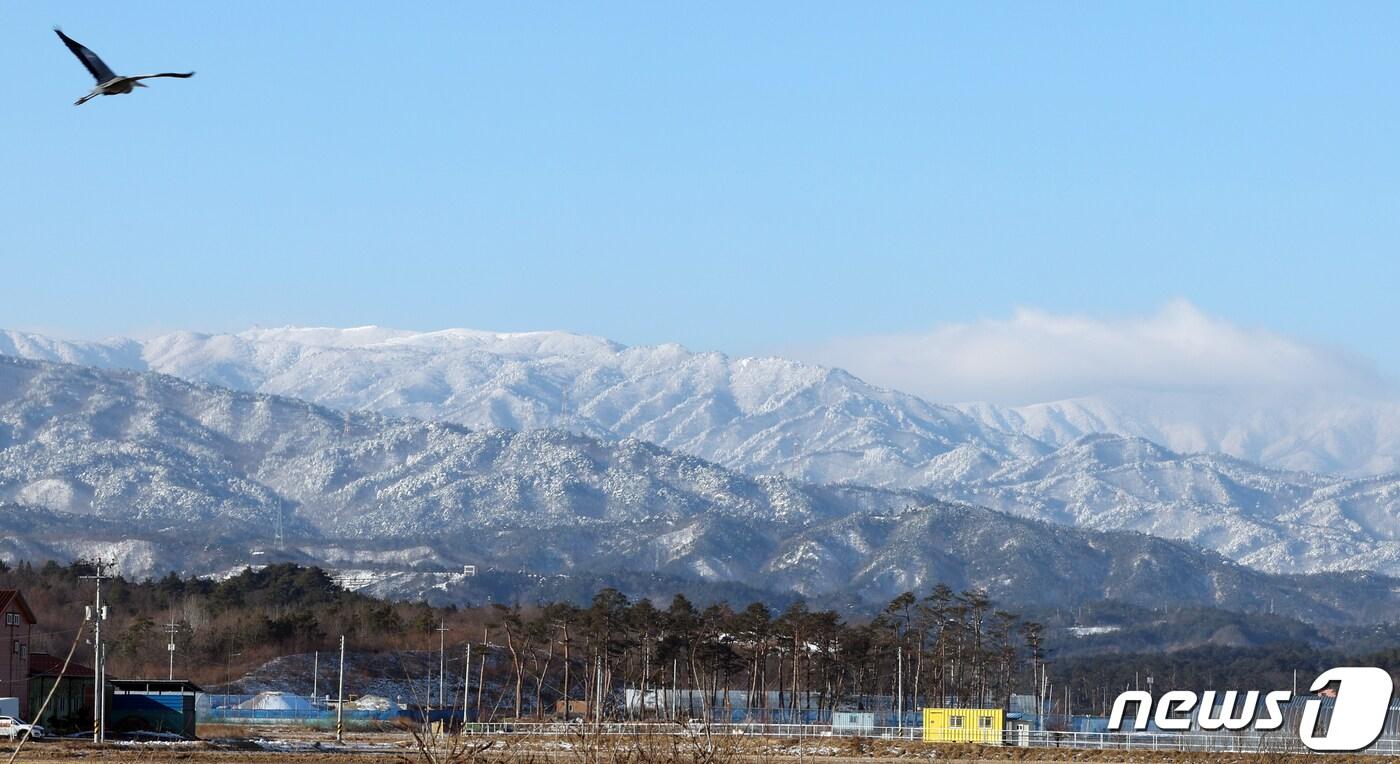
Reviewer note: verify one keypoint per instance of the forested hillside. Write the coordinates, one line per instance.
(955, 644)
(950, 643)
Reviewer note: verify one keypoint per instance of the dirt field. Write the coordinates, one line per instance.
(282, 745)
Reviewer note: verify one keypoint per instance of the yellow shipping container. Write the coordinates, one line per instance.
(963, 725)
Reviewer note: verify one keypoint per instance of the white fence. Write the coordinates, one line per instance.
(1244, 742)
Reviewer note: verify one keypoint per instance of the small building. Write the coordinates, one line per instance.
(1018, 731)
(852, 723)
(70, 709)
(18, 625)
(963, 725)
(152, 705)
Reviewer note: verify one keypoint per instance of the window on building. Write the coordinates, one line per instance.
(955, 721)
(984, 722)
(16, 645)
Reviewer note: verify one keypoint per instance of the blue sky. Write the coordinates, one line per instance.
(736, 176)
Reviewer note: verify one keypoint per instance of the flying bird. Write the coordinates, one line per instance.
(108, 81)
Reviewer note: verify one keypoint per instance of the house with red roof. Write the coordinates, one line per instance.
(17, 627)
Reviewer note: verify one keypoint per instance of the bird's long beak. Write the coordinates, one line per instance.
(139, 84)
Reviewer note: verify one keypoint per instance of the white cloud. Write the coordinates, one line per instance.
(1036, 356)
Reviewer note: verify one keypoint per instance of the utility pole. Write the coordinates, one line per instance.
(97, 614)
(598, 674)
(101, 709)
(228, 673)
(481, 677)
(340, 697)
(466, 682)
(480, 683)
(315, 672)
(1041, 693)
(170, 630)
(899, 685)
(442, 663)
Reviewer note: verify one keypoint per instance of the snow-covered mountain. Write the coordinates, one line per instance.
(777, 417)
(757, 415)
(175, 475)
(1270, 519)
(1341, 433)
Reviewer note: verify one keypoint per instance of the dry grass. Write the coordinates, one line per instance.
(210, 731)
(587, 748)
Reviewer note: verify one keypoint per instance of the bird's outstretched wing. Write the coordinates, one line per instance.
(181, 75)
(99, 71)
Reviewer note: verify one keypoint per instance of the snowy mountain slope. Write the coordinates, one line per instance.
(169, 474)
(770, 416)
(1343, 433)
(1054, 565)
(114, 353)
(758, 415)
(1270, 519)
(149, 447)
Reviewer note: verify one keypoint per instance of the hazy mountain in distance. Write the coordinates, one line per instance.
(758, 415)
(1340, 433)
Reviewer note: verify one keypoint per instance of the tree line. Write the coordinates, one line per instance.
(941, 646)
(945, 647)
